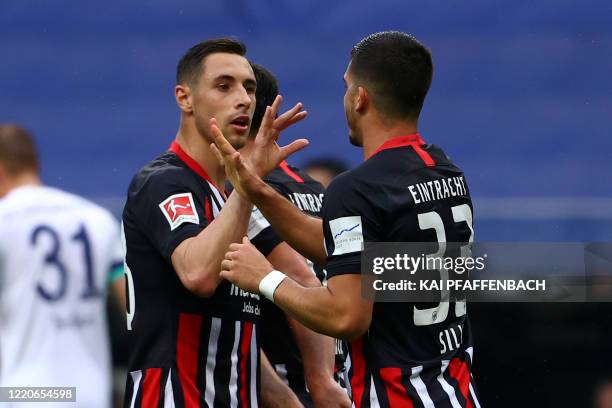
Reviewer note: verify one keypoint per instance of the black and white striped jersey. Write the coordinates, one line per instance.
(413, 355)
(276, 337)
(185, 350)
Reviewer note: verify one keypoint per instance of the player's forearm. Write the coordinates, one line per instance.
(275, 393)
(317, 351)
(301, 231)
(316, 308)
(199, 261)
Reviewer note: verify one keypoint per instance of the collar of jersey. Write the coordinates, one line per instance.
(400, 141)
(190, 162)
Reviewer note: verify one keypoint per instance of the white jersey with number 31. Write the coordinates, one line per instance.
(56, 253)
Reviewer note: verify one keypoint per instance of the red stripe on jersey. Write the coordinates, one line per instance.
(429, 161)
(358, 377)
(190, 162)
(285, 167)
(151, 388)
(413, 140)
(459, 370)
(208, 210)
(245, 348)
(187, 345)
(399, 141)
(396, 393)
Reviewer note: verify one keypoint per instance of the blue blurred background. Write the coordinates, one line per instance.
(521, 100)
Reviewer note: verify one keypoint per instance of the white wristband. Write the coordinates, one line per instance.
(270, 282)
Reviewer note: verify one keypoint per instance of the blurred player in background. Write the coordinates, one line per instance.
(401, 354)
(58, 255)
(302, 358)
(194, 337)
(324, 169)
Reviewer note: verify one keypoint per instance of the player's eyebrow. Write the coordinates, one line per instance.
(250, 82)
(224, 77)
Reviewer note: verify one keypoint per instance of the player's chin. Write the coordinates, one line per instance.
(237, 139)
(355, 141)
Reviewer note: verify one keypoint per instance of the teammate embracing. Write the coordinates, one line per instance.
(396, 358)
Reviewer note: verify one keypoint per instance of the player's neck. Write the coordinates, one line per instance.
(20, 180)
(377, 133)
(199, 150)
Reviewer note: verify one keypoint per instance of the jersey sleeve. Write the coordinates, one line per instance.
(350, 219)
(261, 234)
(169, 211)
(117, 254)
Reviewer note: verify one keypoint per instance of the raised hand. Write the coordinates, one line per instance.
(245, 173)
(266, 154)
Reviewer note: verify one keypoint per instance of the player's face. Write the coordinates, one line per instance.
(349, 109)
(226, 92)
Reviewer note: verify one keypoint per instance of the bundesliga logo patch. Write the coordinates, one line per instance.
(178, 209)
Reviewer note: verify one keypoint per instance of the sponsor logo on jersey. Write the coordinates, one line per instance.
(347, 234)
(179, 209)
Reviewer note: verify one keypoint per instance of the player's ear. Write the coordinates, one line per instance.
(182, 94)
(362, 99)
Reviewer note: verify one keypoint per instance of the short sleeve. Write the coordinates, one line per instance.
(261, 234)
(169, 209)
(116, 255)
(350, 218)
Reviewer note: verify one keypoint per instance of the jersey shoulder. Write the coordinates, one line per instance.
(165, 168)
(291, 176)
(44, 198)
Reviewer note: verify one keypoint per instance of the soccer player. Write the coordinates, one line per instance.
(406, 190)
(302, 358)
(59, 254)
(193, 336)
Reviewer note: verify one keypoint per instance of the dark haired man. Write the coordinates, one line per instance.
(302, 358)
(401, 355)
(193, 336)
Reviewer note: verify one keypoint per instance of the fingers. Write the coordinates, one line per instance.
(290, 117)
(297, 118)
(293, 147)
(267, 121)
(225, 148)
(217, 154)
(275, 105)
(227, 265)
(233, 248)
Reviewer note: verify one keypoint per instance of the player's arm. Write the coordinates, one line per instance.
(274, 392)
(197, 260)
(118, 293)
(337, 310)
(301, 231)
(317, 350)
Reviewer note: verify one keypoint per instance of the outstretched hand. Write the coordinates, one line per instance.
(245, 173)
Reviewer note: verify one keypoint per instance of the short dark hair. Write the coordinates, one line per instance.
(17, 149)
(396, 69)
(191, 64)
(332, 164)
(267, 91)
